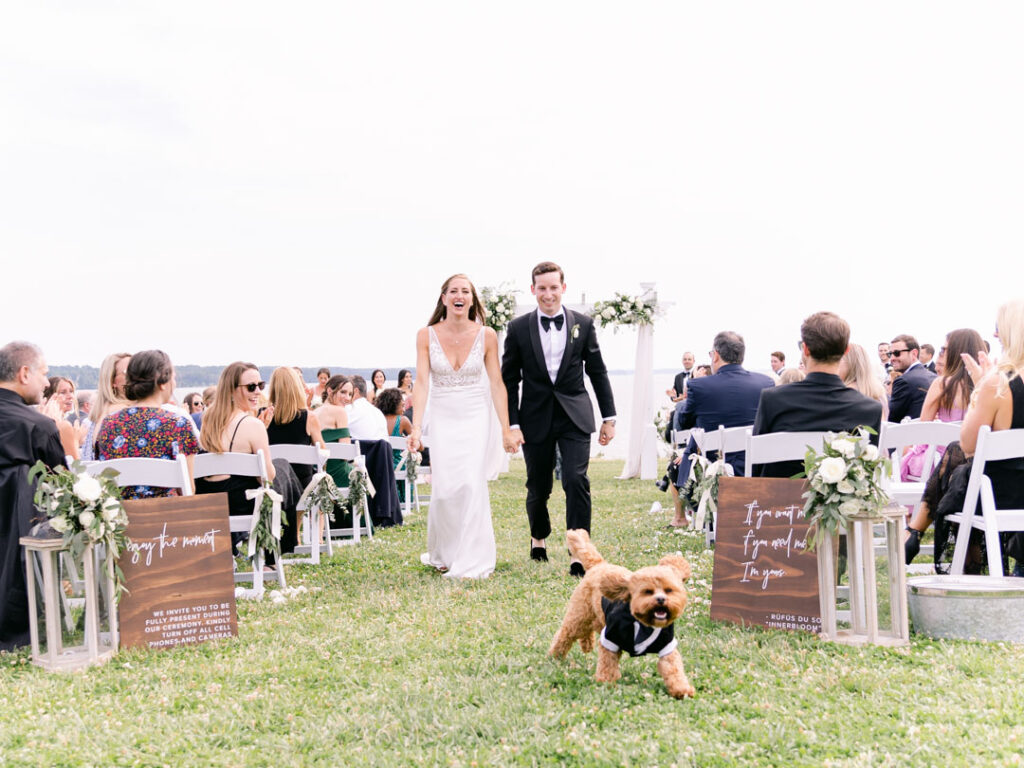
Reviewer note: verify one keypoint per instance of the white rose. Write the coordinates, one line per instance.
(848, 508)
(59, 524)
(608, 312)
(844, 446)
(87, 488)
(870, 453)
(110, 512)
(845, 486)
(832, 469)
(86, 518)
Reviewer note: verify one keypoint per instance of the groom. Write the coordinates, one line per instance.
(549, 351)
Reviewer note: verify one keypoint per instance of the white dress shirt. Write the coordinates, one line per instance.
(366, 421)
(552, 341)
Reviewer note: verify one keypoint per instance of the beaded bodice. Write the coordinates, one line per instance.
(443, 376)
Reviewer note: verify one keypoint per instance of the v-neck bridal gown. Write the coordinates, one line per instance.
(465, 448)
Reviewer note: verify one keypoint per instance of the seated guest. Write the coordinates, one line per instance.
(728, 398)
(59, 405)
(821, 402)
(927, 357)
(405, 386)
(364, 421)
(143, 428)
(193, 403)
(230, 425)
(333, 420)
(778, 362)
(789, 375)
(28, 437)
(109, 398)
(292, 424)
(997, 402)
(855, 371)
(319, 394)
(85, 401)
(910, 389)
(378, 382)
(389, 402)
(947, 400)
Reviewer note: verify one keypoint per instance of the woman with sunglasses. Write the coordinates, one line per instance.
(230, 425)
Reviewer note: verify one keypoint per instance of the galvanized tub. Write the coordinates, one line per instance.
(967, 607)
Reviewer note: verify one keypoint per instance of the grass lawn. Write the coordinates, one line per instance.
(385, 663)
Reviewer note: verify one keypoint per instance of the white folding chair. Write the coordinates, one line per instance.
(896, 437)
(681, 437)
(350, 452)
(159, 473)
(245, 465)
(992, 446)
(722, 440)
(311, 530)
(779, 446)
(400, 443)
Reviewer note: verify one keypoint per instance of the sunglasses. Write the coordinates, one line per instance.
(898, 352)
(253, 387)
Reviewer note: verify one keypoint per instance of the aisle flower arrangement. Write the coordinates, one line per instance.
(500, 306)
(844, 479)
(701, 490)
(624, 310)
(85, 509)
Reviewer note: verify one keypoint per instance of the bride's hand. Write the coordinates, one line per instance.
(413, 442)
(513, 439)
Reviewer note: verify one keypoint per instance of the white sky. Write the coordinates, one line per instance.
(291, 183)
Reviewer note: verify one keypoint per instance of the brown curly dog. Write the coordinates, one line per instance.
(632, 611)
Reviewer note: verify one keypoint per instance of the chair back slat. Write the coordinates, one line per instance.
(727, 439)
(297, 454)
(780, 446)
(343, 451)
(1004, 444)
(243, 464)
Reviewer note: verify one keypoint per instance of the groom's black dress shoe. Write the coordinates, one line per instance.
(540, 554)
(576, 569)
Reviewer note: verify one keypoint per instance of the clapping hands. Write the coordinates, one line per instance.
(977, 369)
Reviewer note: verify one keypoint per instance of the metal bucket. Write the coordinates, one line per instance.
(967, 607)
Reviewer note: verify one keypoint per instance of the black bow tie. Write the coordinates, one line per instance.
(546, 322)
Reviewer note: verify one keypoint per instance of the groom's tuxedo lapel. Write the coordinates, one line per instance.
(538, 348)
(564, 365)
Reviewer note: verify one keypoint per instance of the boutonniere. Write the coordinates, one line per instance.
(575, 332)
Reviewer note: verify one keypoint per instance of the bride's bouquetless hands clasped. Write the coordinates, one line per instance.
(513, 439)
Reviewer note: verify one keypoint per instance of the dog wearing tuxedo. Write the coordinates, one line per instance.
(548, 352)
(634, 613)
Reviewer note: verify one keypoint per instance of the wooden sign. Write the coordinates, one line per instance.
(764, 573)
(179, 572)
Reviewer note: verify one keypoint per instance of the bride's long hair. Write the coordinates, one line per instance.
(476, 309)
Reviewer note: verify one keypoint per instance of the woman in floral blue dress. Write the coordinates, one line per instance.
(144, 428)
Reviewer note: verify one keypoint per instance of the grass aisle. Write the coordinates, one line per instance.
(386, 663)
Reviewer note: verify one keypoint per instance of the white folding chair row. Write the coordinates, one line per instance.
(399, 443)
(350, 452)
(992, 446)
(312, 529)
(897, 437)
(722, 440)
(244, 465)
(159, 473)
(779, 446)
(681, 437)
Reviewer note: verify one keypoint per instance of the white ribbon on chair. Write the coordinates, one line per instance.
(275, 518)
(714, 468)
(361, 466)
(313, 485)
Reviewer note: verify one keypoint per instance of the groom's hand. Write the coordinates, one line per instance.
(513, 439)
(607, 433)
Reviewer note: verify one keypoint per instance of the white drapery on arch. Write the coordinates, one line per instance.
(642, 453)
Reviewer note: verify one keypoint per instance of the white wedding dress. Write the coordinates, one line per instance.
(465, 450)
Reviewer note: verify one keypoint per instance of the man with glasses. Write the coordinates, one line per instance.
(911, 388)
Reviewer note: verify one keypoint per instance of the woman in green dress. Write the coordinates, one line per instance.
(334, 424)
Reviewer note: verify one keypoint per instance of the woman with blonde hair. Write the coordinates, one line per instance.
(855, 371)
(109, 397)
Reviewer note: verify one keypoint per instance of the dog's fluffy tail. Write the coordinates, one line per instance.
(580, 546)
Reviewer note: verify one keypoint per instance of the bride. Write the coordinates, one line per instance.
(457, 363)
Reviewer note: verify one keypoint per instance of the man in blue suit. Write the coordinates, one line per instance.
(728, 398)
(910, 389)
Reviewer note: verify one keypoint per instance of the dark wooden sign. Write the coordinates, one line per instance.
(179, 572)
(764, 573)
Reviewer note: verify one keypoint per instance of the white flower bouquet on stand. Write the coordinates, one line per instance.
(500, 306)
(624, 310)
(86, 510)
(843, 480)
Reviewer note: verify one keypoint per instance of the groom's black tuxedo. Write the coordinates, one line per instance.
(558, 412)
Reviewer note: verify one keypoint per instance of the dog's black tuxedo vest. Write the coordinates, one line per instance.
(622, 632)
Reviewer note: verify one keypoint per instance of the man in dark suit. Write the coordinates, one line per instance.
(911, 388)
(821, 402)
(927, 357)
(678, 391)
(549, 350)
(728, 398)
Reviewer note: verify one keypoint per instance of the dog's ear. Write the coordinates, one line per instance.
(677, 563)
(614, 583)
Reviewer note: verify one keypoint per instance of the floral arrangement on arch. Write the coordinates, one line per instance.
(624, 310)
(86, 509)
(844, 479)
(500, 306)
